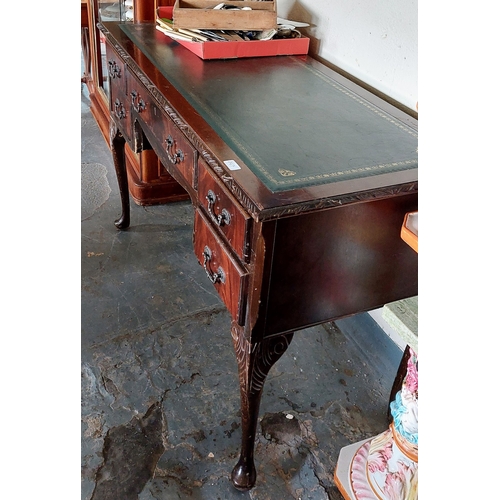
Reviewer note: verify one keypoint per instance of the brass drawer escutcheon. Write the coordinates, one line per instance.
(119, 109)
(224, 218)
(176, 157)
(219, 276)
(114, 69)
(137, 103)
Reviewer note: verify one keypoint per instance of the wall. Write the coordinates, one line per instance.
(374, 41)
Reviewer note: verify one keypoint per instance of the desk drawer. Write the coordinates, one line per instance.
(223, 270)
(142, 104)
(176, 151)
(119, 102)
(140, 101)
(224, 211)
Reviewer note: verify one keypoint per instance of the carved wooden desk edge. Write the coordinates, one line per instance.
(258, 212)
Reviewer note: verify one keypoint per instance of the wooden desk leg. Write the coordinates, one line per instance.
(254, 362)
(117, 142)
(86, 55)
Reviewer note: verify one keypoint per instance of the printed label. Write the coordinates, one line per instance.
(232, 165)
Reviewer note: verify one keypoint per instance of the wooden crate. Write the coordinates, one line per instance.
(200, 14)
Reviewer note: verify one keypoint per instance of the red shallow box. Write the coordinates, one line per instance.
(252, 48)
(232, 50)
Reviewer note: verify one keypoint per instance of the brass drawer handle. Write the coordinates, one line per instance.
(224, 218)
(138, 106)
(114, 70)
(219, 276)
(119, 109)
(178, 156)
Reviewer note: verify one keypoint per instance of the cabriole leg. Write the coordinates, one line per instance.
(117, 142)
(254, 362)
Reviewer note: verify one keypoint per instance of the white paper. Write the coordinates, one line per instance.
(232, 165)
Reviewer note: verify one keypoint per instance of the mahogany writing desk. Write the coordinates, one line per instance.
(299, 178)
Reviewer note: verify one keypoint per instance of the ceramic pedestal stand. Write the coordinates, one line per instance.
(385, 467)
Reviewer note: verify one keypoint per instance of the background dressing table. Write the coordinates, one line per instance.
(299, 180)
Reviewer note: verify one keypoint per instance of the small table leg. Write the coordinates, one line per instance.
(86, 54)
(254, 362)
(117, 142)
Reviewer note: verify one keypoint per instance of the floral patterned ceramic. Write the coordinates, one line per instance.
(386, 466)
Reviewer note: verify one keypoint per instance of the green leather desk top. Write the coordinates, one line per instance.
(292, 125)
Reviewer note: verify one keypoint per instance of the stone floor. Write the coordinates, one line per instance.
(160, 397)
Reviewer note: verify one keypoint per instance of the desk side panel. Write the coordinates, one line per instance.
(339, 262)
